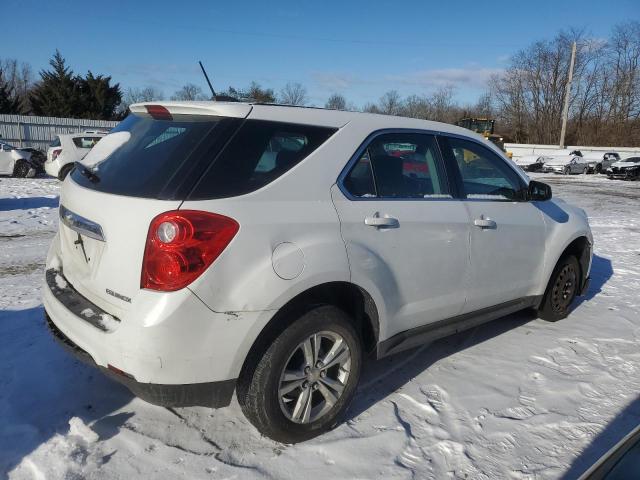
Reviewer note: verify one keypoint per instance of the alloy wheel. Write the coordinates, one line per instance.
(314, 377)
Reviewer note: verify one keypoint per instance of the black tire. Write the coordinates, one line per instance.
(21, 169)
(598, 169)
(64, 171)
(585, 170)
(561, 291)
(258, 388)
(567, 171)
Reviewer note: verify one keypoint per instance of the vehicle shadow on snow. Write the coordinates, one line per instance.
(42, 387)
(601, 272)
(28, 203)
(384, 377)
(615, 431)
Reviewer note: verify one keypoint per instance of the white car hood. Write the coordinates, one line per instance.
(625, 163)
(20, 155)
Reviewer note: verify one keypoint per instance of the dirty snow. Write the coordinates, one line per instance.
(519, 398)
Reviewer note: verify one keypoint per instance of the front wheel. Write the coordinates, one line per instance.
(561, 291)
(585, 170)
(21, 169)
(567, 170)
(305, 380)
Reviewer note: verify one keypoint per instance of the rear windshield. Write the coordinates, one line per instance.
(195, 157)
(150, 158)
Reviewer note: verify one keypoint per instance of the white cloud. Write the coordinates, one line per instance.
(468, 77)
(464, 78)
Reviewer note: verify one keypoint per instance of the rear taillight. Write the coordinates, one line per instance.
(55, 153)
(181, 245)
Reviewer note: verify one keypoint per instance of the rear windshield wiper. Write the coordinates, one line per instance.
(87, 172)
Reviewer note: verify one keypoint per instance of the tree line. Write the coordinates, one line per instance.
(526, 98)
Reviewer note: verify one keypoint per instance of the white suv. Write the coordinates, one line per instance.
(210, 247)
(67, 149)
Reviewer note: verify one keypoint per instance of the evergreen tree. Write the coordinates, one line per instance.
(57, 94)
(98, 98)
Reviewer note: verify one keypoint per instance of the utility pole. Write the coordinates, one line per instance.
(567, 95)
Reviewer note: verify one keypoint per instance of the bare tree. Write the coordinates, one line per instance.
(19, 80)
(138, 95)
(390, 103)
(189, 92)
(336, 102)
(293, 94)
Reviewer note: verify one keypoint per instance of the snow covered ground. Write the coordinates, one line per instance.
(518, 398)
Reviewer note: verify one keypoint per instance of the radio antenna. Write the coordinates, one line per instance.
(204, 72)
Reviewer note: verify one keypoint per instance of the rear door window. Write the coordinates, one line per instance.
(399, 165)
(260, 152)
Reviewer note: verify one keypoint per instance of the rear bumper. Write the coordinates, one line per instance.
(161, 339)
(624, 175)
(52, 168)
(210, 394)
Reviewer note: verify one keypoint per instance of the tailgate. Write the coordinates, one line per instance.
(102, 240)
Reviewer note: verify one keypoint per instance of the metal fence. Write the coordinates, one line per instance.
(39, 132)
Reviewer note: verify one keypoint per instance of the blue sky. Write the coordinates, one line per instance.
(359, 49)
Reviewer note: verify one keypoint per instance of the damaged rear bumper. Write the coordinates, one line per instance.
(210, 394)
(173, 352)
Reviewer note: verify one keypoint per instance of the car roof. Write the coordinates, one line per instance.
(302, 115)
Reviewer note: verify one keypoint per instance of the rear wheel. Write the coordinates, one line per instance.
(305, 380)
(64, 171)
(561, 291)
(567, 170)
(585, 170)
(21, 169)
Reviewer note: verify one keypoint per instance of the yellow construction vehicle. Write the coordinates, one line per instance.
(484, 126)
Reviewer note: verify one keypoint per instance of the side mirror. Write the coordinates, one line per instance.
(539, 191)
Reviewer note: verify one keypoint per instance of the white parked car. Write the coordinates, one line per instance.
(207, 247)
(15, 162)
(531, 163)
(565, 162)
(67, 149)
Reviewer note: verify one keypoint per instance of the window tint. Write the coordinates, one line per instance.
(360, 182)
(628, 466)
(484, 174)
(260, 152)
(56, 142)
(398, 165)
(152, 158)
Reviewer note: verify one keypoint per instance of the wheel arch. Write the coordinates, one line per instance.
(353, 299)
(580, 247)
